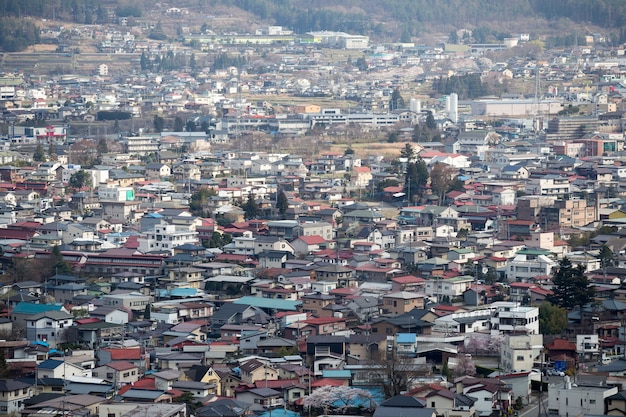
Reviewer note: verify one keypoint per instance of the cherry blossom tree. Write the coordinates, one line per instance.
(338, 398)
(464, 366)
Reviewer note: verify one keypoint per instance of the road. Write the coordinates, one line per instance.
(532, 410)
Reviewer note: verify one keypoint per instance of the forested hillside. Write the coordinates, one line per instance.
(392, 18)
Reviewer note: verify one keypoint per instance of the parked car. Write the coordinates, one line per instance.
(556, 372)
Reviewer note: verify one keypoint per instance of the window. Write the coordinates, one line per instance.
(592, 401)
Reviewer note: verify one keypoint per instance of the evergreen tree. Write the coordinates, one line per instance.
(407, 152)
(552, 319)
(51, 153)
(59, 265)
(430, 121)
(251, 208)
(199, 199)
(147, 312)
(571, 287)
(281, 203)
(606, 257)
(396, 102)
(79, 179)
(39, 155)
(178, 124)
(159, 123)
(102, 146)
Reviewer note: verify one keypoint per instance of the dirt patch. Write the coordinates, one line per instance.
(41, 47)
(364, 150)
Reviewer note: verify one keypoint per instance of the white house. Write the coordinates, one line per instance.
(515, 319)
(166, 237)
(568, 400)
(518, 353)
(12, 396)
(49, 326)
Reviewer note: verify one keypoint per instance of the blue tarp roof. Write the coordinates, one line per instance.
(286, 305)
(178, 292)
(279, 412)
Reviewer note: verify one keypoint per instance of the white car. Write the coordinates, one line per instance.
(554, 372)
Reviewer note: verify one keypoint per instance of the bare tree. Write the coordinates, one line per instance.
(395, 373)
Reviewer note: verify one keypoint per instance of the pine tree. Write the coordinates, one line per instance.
(251, 209)
(39, 155)
(281, 203)
(571, 287)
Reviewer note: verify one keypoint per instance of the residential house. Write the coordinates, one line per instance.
(12, 396)
(49, 327)
(255, 370)
(118, 372)
(571, 400)
(397, 303)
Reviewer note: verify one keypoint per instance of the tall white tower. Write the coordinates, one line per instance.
(416, 108)
(453, 112)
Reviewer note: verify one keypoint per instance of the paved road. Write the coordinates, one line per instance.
(532, 410)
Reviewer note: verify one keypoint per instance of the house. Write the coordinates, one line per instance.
(118, 372)
(12, 396)
(58, 368)
(447, 403)
(260, 398)
(49, 326)
(224, 407)
(403, 406)
(401, 302)
(571, 400)
(157, 170)
(255, 370)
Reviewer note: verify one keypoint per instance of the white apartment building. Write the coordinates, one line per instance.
(548, 185)
(451, 287)
(519, 353)
(515, 319)
(569, 401)
(588, 346)
(528, 265)
(165, 237)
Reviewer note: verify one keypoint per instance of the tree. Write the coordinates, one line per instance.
(606, 257)
(407, 152)
(394, 373)
(218, 240)
(102, 146)
(39, 155)
(51, 152)
(79, 179)
(190, 126)
(453, 37)
(251, 208)
(348, 151)
(337, 398)
(60, 265)
(442, 177)
(282, 204)
(430, 121)
(178, 124)
(158, 123)
(396, 102)
(416, 178)
(198, 200)
(464, 366)
(571, 287)
(445, 371)
(552, 319)
(147, 312)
